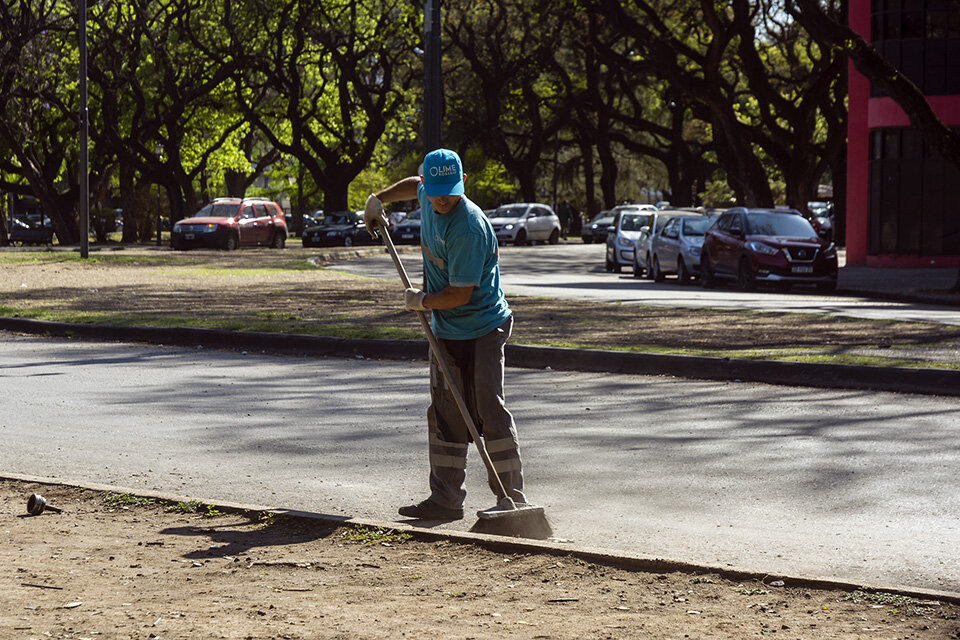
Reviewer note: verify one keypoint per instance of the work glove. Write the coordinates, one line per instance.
(413, 299)
(373, 216)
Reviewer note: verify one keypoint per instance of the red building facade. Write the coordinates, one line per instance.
(903, 200)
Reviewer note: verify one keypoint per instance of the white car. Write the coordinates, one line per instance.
(676, 249)
(525, 223)
(628, 220)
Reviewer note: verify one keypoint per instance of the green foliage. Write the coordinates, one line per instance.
(718, 194)
(126, 500)
(376, 535)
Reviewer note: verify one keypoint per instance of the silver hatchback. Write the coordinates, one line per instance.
(676, 249)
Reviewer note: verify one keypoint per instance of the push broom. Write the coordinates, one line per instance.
(507, 518)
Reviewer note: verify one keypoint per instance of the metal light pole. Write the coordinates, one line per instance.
(432, 76)
(159, 151)
(84, 139)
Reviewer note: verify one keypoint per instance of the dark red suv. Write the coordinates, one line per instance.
(227, 223)
(776, 246)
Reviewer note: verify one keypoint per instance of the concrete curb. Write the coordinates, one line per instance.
(827, 376)
(500, 544)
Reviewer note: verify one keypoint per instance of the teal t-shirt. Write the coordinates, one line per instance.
(460, 249)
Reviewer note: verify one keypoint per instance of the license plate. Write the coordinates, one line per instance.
(407, 236)
(189, 236)
(802, 269)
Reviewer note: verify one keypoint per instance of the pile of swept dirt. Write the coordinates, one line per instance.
(117, 566)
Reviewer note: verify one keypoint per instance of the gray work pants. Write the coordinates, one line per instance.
(478, 367)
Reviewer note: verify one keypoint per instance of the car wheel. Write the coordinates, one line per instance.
(347, 241)
(521, 238)
(279, 240)
(637, 269)
(657, 273)
(608, 265)
(554, 237)
(682, 274)
(745, 277)
(647, 267)
(707, 279)
(231, 242)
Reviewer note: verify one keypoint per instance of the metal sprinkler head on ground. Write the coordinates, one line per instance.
(36, 504)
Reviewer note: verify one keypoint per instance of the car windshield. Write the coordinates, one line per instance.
(601, 220)
(696, 226)
(348, 217)
(779, 224)
(218, 210)
(633, 221)
(510, 212)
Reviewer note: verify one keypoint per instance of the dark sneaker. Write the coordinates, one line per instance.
(427, 510)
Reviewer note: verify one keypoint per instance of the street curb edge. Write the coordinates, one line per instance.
(500, 544)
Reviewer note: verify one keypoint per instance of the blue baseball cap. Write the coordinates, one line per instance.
(442, 173)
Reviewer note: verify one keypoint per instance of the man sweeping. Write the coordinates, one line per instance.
(471, 321)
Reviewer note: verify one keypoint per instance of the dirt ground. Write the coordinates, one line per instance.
(117, 566)
(270, 290)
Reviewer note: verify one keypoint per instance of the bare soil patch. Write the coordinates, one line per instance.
(111, 566)
(281, 291)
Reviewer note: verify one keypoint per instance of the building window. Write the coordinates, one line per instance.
(922, 39)
(913, 197)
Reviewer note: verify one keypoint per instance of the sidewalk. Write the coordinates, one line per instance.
(926, 286)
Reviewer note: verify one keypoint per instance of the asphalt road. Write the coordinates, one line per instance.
(854, 485)
(576, 272)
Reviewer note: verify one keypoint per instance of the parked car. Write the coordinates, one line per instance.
(642, 250)
(408, 230)
(774, 246)
(596, 229)
(227, 223)
(525, 223)
(344, 229)
(623, 232)
(676, 249)
(31, 228)
(822, 219)
(309, 220)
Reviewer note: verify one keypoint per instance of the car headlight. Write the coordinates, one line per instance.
(693, 250)
(762, 249)
(830, 252)
(507, 227)
(208, 228)
(177, 228)
(627, 242)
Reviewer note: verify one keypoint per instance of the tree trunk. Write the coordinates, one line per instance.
(128, 202)
(590, 207)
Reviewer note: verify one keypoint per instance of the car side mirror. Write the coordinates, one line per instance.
(645, 229)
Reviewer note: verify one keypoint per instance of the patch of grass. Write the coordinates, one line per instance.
(192, 506)
(899, 604)
(195, 506)
(264, 520)
(126, 500)
(377, 535)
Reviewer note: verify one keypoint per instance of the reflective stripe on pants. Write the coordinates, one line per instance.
(478, 367)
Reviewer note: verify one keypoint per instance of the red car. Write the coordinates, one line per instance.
(227, 223)
(775, 246)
